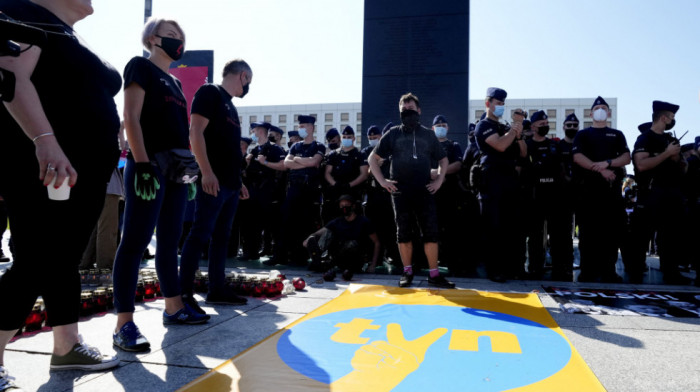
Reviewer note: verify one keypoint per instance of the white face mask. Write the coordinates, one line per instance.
(302, 133)
(373, 142)
(600, 115)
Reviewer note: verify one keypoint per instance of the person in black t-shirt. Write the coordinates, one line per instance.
(61, 125)
(349, 239)
(216, 141)
(346, 172)
(412, 148)
(155, 117)
(500, 147)
(601, 153)
(570, 192)
(659, 170)
(301, 214)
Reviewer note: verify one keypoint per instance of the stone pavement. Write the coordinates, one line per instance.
(626, 353)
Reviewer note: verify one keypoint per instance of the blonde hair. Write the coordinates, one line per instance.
(151, 27)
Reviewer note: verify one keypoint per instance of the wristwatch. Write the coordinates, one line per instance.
(609, 163)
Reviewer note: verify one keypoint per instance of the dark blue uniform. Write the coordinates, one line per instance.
(301, 208)
(601, 212)
(660, 207)
(346, 167)
(546, 177)
(450, 212)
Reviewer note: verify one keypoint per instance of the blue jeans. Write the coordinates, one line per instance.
(164, 214)
(213, 217)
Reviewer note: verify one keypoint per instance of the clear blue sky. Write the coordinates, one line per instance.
(310, 51)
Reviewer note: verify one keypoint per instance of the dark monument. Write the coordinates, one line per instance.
(421, 47)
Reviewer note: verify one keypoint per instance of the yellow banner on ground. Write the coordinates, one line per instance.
(380, 338)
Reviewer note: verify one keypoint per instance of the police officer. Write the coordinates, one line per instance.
(448, 199)
(265, 160)
(470, 226)
(272, 226)
(293, 137)
(300, 210)
(346, 171)
(332, 140)
(601, 153)
(659, 169)
(570, 193)
(235, 241)
(547, 176)
(500, 148)
(378, 208)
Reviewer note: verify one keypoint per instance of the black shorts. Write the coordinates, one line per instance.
(415, 207)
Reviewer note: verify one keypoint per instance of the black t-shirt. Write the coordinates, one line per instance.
(545, 164)
(384, 168)
(666, 174)
(599, 145)
(565, 151)
(300, 149)
(359, 229)
(164, 113)
(76, 90)
(256, 172)
(412, 153)
(346, 164)
(491, 158)
(222, 134)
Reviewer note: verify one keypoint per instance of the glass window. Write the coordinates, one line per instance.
(609, 124)
(569, 111)
(296, 127)
(283, 128)
(478, 114)
(532, 111)
(240, 119)
(552, 113)
(359, 116)
(314, 115)
(344, 116)
(296, 118)
(328, 127)
(587, 124)
(329, 117)
(253, 119)
(342, 126)
(586, 112)
(553, 126)
(358, 128)
(268, 118)
(282, 118)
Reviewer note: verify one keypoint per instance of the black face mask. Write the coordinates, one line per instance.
(671, 125)
(410, 118)
(333, 146)
(246, 88)
(290, 144)
(173, 47)
(347, 210)
(543, 130)
(570, 133)
(272, 138)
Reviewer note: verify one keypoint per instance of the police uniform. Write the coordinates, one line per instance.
(570, 188)
(378, 207)
(301, 205)
(601, 212)
(497, 197)
(450, 211)
(470, 224)
(660, 203)
(547, 186)
(261, 183)
(235, 241)
(346, 167)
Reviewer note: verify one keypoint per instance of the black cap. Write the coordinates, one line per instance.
(661, 106)
(497, 93)
(348, 131)
(303, 119)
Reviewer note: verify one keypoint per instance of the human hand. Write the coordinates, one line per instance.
(244, 195)
(382, 365)
(599, 166)
(261, 159)
(673, 149)
(608, 175)
(210, 184)
(389, 185)
(146, 182)
(53, 163)
(433, 174)
(434, 185)
(517, 128)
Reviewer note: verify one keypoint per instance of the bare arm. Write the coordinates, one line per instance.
(289, 163)
(364, 173)
(454, 167)
(313, 161)
(27, 111)
(373, 161)
(198, 123)
(644, 162)
(133, 104)
(327, 175)
(501, 143)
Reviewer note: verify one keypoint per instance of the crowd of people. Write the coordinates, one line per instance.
(412, 197)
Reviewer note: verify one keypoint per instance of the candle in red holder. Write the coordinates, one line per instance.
(279, 286)
(158, 292)
(100, 299)
(84, 276)
(140, 291)
(86, 303)
(149, 288)
(269, 288)
(257, 289)
(35, 319)
(94, 277)
(105, 276)
(298, 283)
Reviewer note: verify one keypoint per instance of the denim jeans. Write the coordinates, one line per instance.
(213, 217)
(164, 214)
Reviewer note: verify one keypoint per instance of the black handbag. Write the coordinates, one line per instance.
(178, 165)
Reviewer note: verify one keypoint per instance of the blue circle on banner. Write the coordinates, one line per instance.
(308, 348)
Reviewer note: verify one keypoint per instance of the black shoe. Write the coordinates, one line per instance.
(227, 297)
(498, 278)
(406, 280)
(3, 258)
(147, 255)
(347, 275)
(329, 275)
(440, 281)
(190, 300)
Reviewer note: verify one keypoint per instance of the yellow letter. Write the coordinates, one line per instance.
(501, 342)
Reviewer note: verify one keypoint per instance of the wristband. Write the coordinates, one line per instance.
(34, 139)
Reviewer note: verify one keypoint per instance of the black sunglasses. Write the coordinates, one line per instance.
(571, 125)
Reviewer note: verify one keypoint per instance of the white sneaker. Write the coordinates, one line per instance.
(7, 382)
(83, 357)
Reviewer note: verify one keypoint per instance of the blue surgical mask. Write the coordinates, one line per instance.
(255, 138)
(373, 142)
(302, 133)
(499, 110)
(346, 143)
(441, 132)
